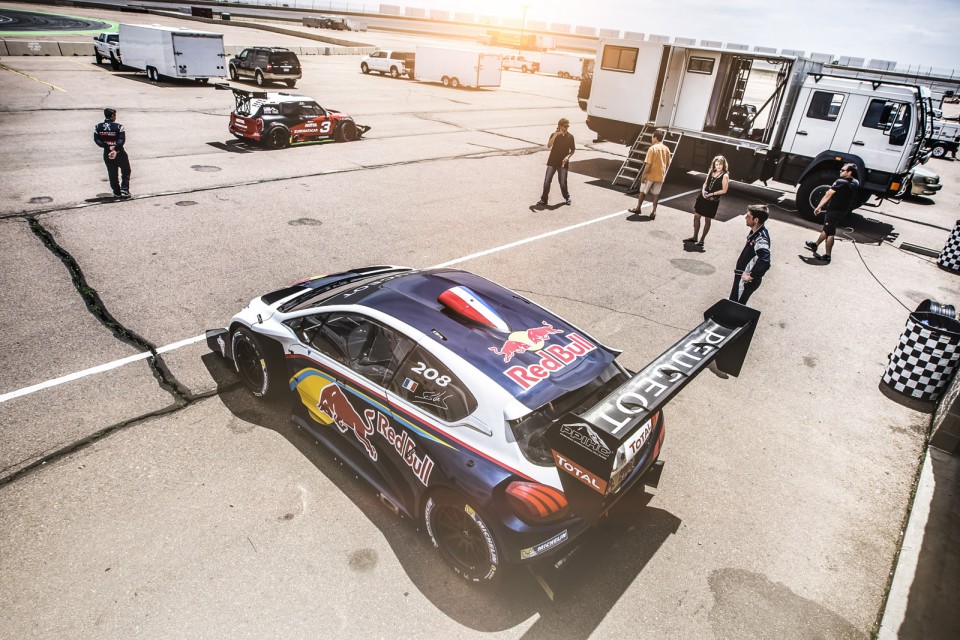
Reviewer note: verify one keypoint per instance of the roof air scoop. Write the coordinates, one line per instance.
(467, 304)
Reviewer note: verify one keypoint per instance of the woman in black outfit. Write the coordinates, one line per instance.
(714, 186)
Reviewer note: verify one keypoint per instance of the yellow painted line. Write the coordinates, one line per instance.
(6, 68)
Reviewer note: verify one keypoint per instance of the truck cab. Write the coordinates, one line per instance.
(105, 46)
(395, 63)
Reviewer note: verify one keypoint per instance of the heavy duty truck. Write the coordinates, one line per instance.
(774, 117)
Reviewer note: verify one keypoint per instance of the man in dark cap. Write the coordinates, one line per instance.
(110, 136)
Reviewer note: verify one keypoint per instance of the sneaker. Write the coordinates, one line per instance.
(117, 194)
(125, 195)
(653, 215)
(692, 240)
(824, 258)
(542, 203)
(569, 201)
(810, 244)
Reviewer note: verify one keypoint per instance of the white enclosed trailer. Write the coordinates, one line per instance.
(772, 116)
(457, 67)
(172, 52)
(565, 65)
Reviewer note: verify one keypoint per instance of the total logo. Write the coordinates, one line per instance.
(590, 479)
(553, 358)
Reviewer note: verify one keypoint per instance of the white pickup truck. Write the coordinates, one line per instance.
(396, 63)
(105, 46)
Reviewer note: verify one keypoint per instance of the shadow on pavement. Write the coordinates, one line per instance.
(610, 556)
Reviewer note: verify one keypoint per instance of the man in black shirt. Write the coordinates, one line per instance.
(754, 259)
(838, 200)
(110, 136)
(562, 146)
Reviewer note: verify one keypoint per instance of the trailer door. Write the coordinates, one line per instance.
(198, 56)
(670, 94)
(818, 122)
(488, 71)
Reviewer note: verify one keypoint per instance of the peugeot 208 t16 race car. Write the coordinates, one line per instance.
(283, 119)
(503, 428)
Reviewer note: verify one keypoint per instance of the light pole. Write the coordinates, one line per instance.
(523, 26)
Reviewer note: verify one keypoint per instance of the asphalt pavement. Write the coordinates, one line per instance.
(155, 498)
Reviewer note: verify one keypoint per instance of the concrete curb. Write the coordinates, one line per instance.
(32, 48)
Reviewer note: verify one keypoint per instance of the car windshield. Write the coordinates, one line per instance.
(530, 431)
(285, 57)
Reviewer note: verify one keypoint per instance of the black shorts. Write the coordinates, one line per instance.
(830, 221)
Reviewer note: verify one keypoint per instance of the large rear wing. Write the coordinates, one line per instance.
(597, 450)
(242, 97)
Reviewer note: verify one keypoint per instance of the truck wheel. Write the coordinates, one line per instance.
(233, 73)
(454, 83)
(150, 74)
(257, 364)
(811, 191)
(394, 73)
(347, 132)
(445, 81)
(259, 78)
(278, 138)
(364, 67)
(114, 63)
(938, 151)
(98, 57)
(463, 537)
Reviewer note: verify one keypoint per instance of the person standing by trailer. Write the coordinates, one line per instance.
(714, 186)
(654, 171)
(754, 260)
(111, 137)
(562, 146)
(838, 201)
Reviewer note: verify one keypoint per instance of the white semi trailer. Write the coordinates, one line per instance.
(457, 67)
(172, 52)
(772, 116)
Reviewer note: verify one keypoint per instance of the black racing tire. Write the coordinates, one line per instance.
(463, 537)
(394, 72)
(257, 363)
(445, 81)
(454, 83)
(938, 151)
(364, 67)
(811, 190)
(259, 78)
(347, 132)
(278, 138)
(291, 83)
(523, 68)
(233, 73)
(96, 54)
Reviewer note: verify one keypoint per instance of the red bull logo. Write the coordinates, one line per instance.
(522, 341)
(554, 358)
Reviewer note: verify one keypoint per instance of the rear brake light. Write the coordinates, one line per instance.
(269, 67)
(259, 124)
(535, 503)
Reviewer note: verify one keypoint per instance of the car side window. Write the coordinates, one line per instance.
(311, 109)
(365, 346)
(243, 54)
(424, 381)
(290, 109)
(825, 105)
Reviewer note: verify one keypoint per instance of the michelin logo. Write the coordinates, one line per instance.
(536, 550)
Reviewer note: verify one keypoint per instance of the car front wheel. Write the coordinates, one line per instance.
(394, 73)
(258, 371)
(364, 67)
(347, 132)
(462, 536)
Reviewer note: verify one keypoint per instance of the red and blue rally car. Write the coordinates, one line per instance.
(504, 429)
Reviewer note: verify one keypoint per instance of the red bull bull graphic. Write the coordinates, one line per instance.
(554, 358)
(337, 406)
(522, 341)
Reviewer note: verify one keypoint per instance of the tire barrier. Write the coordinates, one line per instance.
(923, 362)
(950, 256)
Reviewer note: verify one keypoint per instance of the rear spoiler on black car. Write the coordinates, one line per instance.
(242, 97)
(593, 450)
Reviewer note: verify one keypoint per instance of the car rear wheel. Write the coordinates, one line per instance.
(454, 82)
(394, 73)
(259, 78)
(291, 83)
(364, 67)
(114, 63)
(938, 151)
(347, 132)
(278, 138)
(233, 73)
(258, 368)
(462, 536)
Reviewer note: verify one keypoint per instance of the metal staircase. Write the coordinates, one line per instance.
(632, 167)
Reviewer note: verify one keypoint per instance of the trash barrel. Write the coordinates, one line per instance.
(950, 256)
(224, 16)
(924, 360)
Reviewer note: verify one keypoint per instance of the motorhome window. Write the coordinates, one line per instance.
(700, 65)
(619, 59)
(825, 105)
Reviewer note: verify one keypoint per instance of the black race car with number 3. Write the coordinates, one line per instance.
(283, 119)
(499, 426)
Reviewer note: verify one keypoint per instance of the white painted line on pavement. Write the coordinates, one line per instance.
(188, 341)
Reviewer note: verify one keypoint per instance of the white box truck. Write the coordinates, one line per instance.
(172, 52)
(457, 67)
(564, 65)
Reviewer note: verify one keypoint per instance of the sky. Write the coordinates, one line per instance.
(910, 32)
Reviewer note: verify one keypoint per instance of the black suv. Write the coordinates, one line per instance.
(266, 64)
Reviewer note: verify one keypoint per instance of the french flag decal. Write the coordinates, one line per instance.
(410, 385)
(466, 303)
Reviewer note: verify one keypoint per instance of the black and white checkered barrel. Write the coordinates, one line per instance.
(950, 256)
(924, 360)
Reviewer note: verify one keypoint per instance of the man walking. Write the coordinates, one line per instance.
(754, 260)
(562, 146)
(838, 201)
(654, 171)
(110, 136)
